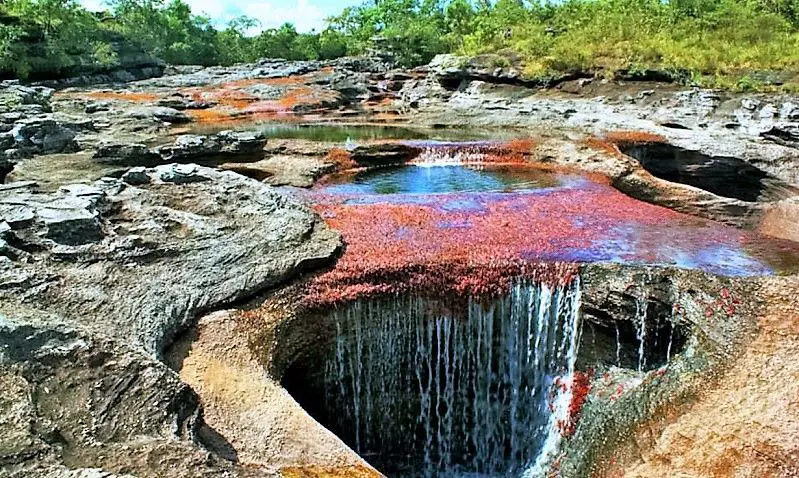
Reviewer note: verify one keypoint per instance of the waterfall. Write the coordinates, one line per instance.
(425, 390)
(449, 156)
(641, 307)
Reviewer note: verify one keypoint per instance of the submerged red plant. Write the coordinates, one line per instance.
(580, 388)
(477, 244)
(465, 243)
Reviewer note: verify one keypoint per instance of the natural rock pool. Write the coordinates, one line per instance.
(442, 179)
(343, 132)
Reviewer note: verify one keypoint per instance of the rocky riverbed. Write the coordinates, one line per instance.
(164, 272)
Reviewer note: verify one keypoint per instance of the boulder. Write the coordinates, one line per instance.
(17, 215)
(226, 143)
(136, 176)
(43, 135)
(126, 154)
(71, 221)
(382, 154)
(241, 142)
(181, 174)
(159, 113)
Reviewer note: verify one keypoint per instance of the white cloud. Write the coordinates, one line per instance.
(93, 5)
(271, 14)
(301, 13)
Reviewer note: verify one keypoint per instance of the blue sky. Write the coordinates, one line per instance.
(304, 14)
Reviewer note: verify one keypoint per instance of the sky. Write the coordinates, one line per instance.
(306, 15)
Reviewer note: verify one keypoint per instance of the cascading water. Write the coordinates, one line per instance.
(422, 390)
(641, 306)
(449, 156)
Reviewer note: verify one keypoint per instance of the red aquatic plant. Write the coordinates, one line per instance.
(521, 146)
(580, 389)
(477, 243)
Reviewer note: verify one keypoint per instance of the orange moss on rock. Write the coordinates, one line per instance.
(131, 96)
(316, 471)
(341, 158)
(599, 144)
(211, 115)
(521, 146)
(633, 137)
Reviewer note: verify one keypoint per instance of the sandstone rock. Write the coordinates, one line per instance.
(126, 154)
(43, 136)
(382, 154)
(180, 102)
(136, 176)
(251, 238)
(283, 170)
(17, 215)
(68, 393)
(225, 143)
(181, 174)
(784, 134)
(82, 391)
(97, 106)
(70, 222)
(86, 192)
(167, 115)
(14, 96)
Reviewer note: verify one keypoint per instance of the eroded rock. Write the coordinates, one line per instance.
(381, 154)
(225, 143)
(116, 240)
(126, 154)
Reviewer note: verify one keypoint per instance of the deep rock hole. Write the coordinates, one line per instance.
(423, 387)
(721, 175)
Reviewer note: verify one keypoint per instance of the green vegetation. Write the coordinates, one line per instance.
(744, 44)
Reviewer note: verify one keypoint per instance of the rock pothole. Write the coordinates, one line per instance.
(422, 386)
(724, 176)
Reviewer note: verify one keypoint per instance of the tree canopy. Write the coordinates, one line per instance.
(727, 42)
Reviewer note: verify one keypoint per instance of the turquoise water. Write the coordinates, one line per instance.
(442, 179)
